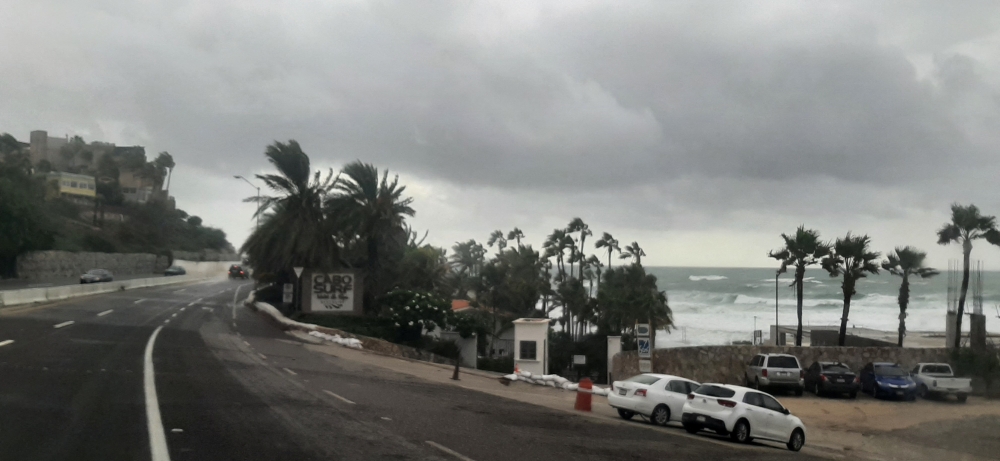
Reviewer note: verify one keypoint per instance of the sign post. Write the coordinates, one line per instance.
(288, 293)
(298, 282)
(645, 347)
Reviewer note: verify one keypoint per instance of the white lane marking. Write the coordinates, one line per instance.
(64, 324)
(166, 321)
(339, 397)
(157, 438)
(262, 356)
(449, 451)
(175, 315)
(139, 301)
(182, 309)
(195, 302)
(102, 314)
(181, 290)
(206, 308)
(236, 295)
(6, 342)
(248, 344)
(290, 372)
(177, 430)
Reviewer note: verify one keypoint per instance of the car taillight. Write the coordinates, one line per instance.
(241, 272)
(640, 393)
(727, 403)
(857, 380)
(763, 373)
(823, 378)
(690, 396)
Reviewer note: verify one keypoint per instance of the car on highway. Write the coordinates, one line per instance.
(831, 378)
(237, 272)
(775, 371)
(743, 414)
(887, 380)
(660, 398)
(174, 270)
(938, 380)
(97, 276)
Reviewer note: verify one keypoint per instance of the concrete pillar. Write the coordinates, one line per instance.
(949, 330)
(977, 331)
(614, 347)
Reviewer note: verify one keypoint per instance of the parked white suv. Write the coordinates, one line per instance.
(775, 371)
(742, 413)
(657, 397)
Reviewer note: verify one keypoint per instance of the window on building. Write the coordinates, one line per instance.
(72, 184)
(529, 350)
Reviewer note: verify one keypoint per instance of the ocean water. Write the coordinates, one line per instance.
(713, 306)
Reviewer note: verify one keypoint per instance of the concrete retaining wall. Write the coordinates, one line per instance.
(38, 265)
(38, 295)
(726, 364)
(205, 255)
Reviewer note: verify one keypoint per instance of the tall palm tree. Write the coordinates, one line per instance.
(577, 225)
(594, 262)
(609, 242)
(966, 225)
(375, 210)
(904, 262)
(633, 251)
(801, 250)
(851, 258)
(497, 238)
(295, 230)
(555, 245)
(515, 235)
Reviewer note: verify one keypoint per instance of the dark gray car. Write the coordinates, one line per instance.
(96, 276)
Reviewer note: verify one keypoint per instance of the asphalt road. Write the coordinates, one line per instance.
(228, 385)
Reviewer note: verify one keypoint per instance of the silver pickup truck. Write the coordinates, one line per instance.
(937, 379)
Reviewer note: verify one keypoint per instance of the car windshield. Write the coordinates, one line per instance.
(714, 391)
(782, 362)
(890, 371)
(95, 272)
(937, 369)
(836, 369)
(643, 379)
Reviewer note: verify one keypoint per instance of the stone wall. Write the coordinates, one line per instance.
(726, 364)
(205, 255)
(63, 264)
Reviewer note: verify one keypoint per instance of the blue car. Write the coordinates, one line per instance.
(887, 380)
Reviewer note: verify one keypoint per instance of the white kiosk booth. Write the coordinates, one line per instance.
(531, 345)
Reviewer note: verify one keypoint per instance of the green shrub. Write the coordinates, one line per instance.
(412, 312)
(984, 365)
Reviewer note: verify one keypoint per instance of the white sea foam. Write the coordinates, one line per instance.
(696, 278)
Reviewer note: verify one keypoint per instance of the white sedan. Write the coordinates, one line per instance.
(743, 414)
(658, 397)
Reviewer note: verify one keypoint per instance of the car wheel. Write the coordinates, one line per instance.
(922, 391)
(625, 414)
(853, 394)
(746, 380)
(797, 440)
(963, 397)
(741, 432)
(816, 389)
(692, 429)
(661, 415)
(756, 383)
(798, 391)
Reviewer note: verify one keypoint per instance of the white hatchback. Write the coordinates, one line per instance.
(658, 397)
(743, 414)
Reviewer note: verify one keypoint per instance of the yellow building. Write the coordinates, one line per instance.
(77, 185)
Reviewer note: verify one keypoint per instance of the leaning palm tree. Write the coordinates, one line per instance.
(801, 250)
(904, 262)
(295, 231)
(555, 245)
(609, 242)
(374, 209)
(515, 235)
(577, 225)
(497, 238)
(851, 258)
(633, 251)
(966, 225)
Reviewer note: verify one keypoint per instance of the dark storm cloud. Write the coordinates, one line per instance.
(664, 114)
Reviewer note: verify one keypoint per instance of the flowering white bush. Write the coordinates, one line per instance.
(415, 311)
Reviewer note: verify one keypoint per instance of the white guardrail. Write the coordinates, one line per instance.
(47, 294)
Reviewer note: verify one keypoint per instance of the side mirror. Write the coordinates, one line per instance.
(785, 411)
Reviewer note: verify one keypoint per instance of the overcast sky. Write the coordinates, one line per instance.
(700, 129)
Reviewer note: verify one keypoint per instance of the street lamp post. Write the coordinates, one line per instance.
(258, 198)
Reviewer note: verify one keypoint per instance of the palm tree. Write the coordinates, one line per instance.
(609, 242)
(295, 231)
(904, 262)
(801, 250)
(374, 209)
(633, 251)
(851, 258)
(966, 225)
(595, 263)
(577, 225)
(517, 235)
(497, 238)
(555, 245)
